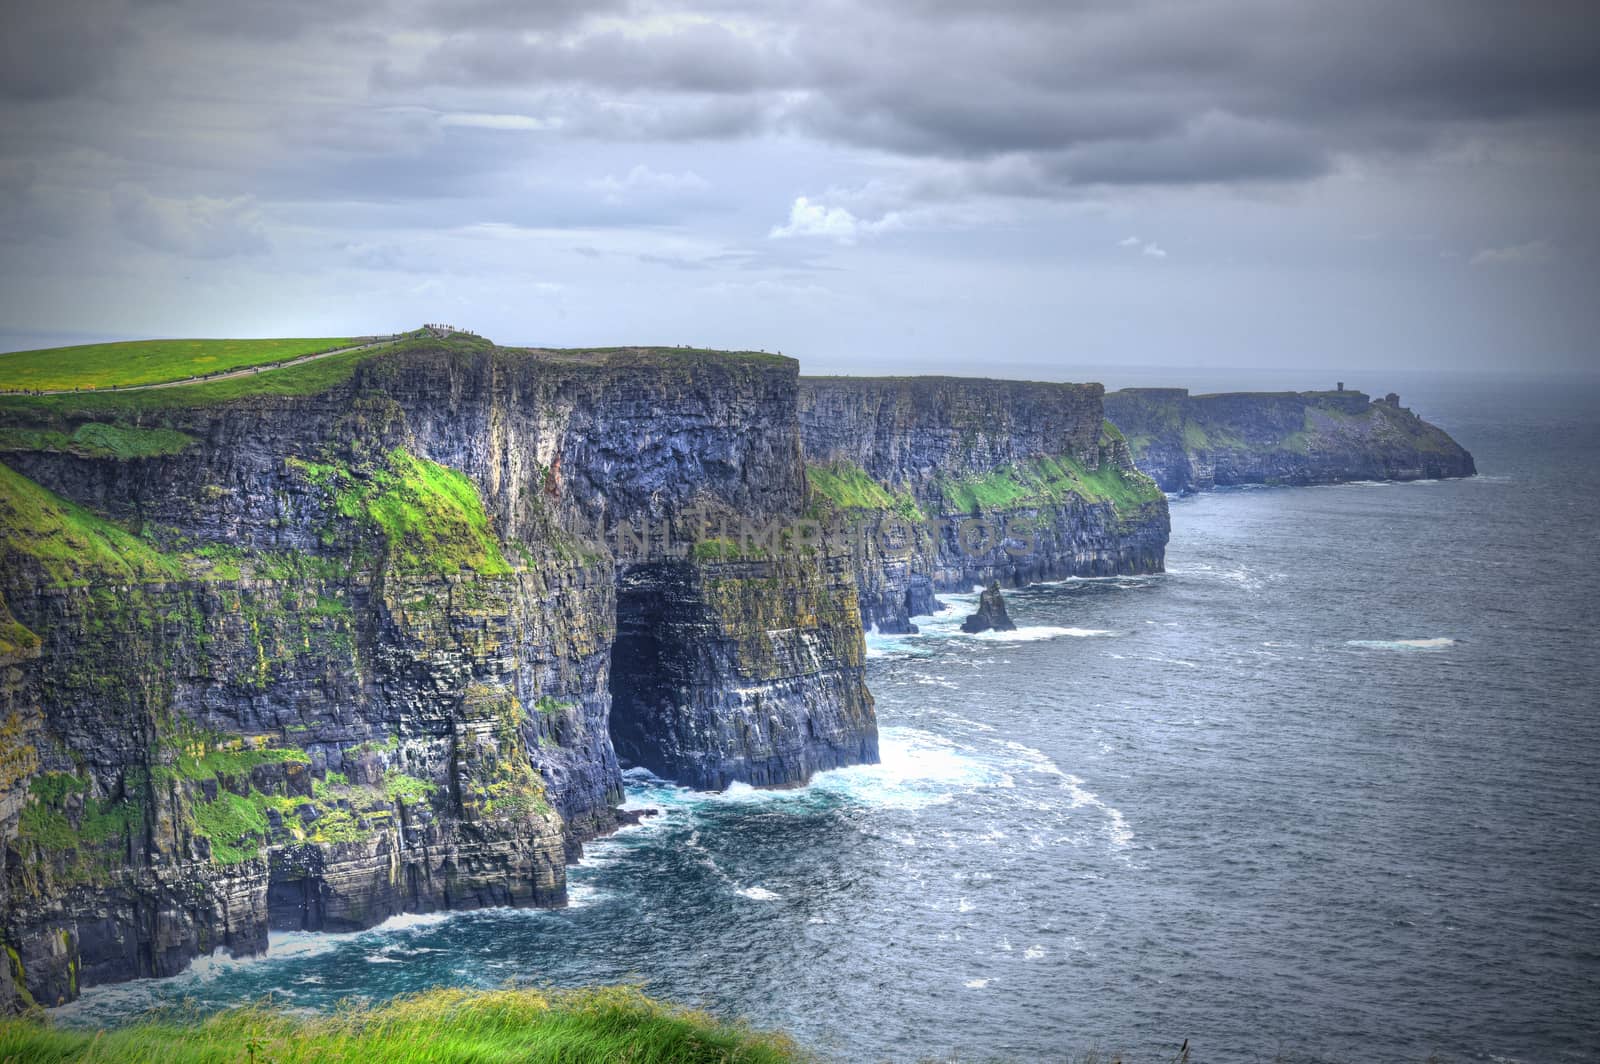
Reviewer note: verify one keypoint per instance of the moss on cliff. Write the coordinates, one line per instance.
(77, 837)
(66, 545)
(98, 439)
(846, 486)
(1047, 481)
(430, 519)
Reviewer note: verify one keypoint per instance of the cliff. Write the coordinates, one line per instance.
(1195, 442)
(939, 483)
(366, 636)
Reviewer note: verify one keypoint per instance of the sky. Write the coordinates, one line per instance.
(895, 186)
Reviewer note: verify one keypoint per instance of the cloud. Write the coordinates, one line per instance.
(198, 228)
(1067, 95)
(1143, 247)
(807, 219)
(519, 123)
(643, 179)
(1533, 253)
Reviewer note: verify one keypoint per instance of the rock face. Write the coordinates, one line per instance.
(991, 615)
(310, 660)
(939, 483)
(1195, 442)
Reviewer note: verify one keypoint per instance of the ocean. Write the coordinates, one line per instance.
(1325, 791)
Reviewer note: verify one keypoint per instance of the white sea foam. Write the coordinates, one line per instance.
(756, 894)
(1080, 796)
(1034, 633)
(405, 921)
(1437, 643)
(915, 769)
(975, 984)
(581, 896)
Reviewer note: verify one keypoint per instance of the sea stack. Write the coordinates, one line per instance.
(991, 613)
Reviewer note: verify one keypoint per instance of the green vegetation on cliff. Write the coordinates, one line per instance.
(91, 366)
(431, 518)
(1045, 482)
(849, 487)
(98, 439)
(79, 836)
(66, 544)
(439, 1026)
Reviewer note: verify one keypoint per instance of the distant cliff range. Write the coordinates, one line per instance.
(1197, 442)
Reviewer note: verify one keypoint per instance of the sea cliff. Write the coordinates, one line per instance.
(1196, 442)
(943, 483)
(286, 660)
(377, 633)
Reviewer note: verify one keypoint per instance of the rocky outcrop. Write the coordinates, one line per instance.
(1195, 442)
(940, 483)
(369, 643)
(991, 614)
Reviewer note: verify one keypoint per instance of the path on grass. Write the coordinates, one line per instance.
(244, 371)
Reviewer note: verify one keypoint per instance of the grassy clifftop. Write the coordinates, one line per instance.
(133, 362)
(440, 1027)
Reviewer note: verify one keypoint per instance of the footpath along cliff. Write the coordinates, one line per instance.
(376, 633)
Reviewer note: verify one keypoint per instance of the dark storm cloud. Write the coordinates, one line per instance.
(55, 48)
(1197, 91)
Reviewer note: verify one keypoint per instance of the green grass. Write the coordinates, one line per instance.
(437, 1027)
(236, 826)
(69, 546)
(402, 787)
(1048, 481)
(76, 849)
(234, 763)
(431, 518)
(715, 550)
(98, 439)
(94, 366)
(849, 487)
(308, 378)
(662, 357)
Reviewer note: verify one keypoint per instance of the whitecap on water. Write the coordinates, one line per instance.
(1438, 643)
(1081, 797)
(756, 894)
(405, 921)
(1033, 633)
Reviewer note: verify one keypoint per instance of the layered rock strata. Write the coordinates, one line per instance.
(354, 647)
(944, 483)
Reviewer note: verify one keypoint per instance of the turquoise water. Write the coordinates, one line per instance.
(1326, 789)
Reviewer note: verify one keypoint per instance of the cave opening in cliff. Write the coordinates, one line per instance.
(650, 669)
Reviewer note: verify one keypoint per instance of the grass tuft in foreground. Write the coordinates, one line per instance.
(439, 1027)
